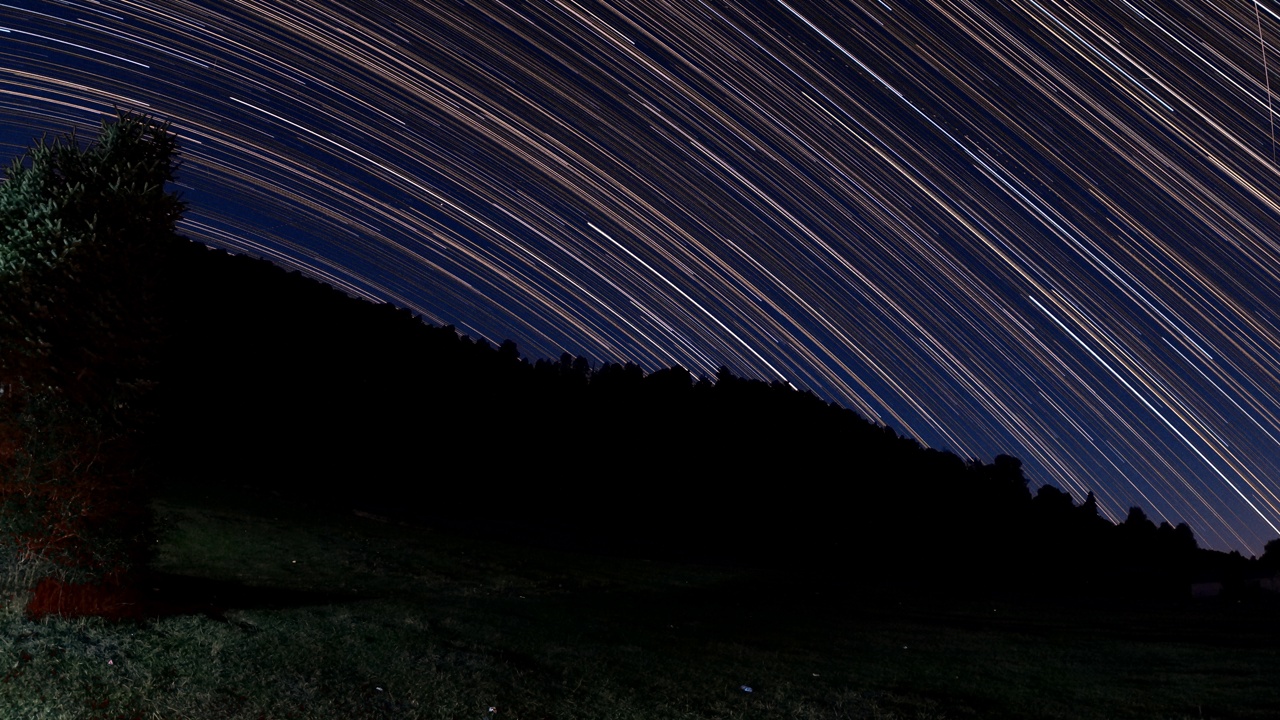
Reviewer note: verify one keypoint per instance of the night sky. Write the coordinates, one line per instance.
(1047, 229)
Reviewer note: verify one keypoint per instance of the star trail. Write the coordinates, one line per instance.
(1048, 229)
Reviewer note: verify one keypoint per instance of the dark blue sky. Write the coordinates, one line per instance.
(1042, 229)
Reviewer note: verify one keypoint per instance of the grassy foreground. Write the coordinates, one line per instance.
(279, 610)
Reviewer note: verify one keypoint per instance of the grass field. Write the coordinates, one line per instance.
(279, 610)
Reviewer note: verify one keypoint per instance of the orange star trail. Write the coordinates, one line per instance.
(1036, 227)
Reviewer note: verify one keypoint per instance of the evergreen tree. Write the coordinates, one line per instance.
(85, 233)
(83, 238)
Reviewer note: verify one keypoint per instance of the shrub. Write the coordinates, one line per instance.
(72, 498)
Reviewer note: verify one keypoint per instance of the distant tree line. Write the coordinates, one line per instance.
(282, 381)
(129, 354)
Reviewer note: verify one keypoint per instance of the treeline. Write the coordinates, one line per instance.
(130, 354)
(280, 381)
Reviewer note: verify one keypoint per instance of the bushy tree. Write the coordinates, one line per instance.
(85, 233)
(1270, 560)
(83, 238)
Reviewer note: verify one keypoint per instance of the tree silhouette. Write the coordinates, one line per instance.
(1270, 560)
(372, 407)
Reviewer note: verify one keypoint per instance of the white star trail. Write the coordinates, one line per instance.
(1046, 229)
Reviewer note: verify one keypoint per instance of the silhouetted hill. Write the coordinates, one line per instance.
(281, 381)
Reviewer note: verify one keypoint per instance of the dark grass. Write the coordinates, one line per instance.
(271, 609)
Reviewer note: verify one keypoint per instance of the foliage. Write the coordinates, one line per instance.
(85, 234)
(83, 237)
